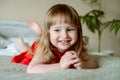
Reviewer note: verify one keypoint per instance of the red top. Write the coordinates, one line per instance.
(25, 58)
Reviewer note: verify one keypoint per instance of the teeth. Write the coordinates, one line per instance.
(64, 41)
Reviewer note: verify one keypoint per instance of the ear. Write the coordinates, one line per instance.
(35, 26)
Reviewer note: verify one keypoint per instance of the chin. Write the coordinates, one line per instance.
(63, 49)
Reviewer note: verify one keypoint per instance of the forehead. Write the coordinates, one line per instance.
(61, 19)
(61, 25)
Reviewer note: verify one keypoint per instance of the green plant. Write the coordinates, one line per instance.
(93, 20)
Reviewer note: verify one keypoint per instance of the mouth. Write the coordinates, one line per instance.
(64, 42)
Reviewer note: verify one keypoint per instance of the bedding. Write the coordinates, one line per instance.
(11, 31)
(109, 69)
(3, 42)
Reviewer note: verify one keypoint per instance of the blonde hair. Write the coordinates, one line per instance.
(70, 16)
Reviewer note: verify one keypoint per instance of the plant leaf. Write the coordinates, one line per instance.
(115, 26)
(91, 19)
(96, 13)
(88, 20)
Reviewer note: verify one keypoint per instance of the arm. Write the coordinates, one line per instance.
(85, 61)
(65, 63)
(36, 67)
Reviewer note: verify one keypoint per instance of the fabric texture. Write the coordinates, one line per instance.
(3, 42)
(109, 69)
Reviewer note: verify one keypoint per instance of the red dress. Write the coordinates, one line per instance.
(25, 58)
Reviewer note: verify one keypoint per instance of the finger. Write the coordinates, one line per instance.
(72, 57)
(78, 65)
(68, 53)
(73, 61)
(74, 53)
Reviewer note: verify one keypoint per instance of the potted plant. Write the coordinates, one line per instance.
(93, 20)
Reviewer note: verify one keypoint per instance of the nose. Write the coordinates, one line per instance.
(64, 34)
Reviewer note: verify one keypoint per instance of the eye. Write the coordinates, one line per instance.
(57, 30)
(71, 29)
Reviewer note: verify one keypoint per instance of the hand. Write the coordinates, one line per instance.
(69, 59)
(79, 62)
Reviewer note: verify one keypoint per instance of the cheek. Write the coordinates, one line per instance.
(53, 37)
(75, 36)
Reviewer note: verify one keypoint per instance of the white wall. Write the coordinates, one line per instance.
(25, 10)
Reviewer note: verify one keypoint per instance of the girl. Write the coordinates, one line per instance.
(60, 46)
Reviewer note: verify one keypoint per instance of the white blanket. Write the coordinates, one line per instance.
(109, 69)
(11, 49)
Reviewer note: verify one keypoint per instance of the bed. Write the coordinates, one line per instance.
(11, 31)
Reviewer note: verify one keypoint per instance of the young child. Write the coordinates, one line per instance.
(60, 46)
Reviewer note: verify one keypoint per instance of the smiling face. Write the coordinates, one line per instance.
(63, 36)
(62, 28)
